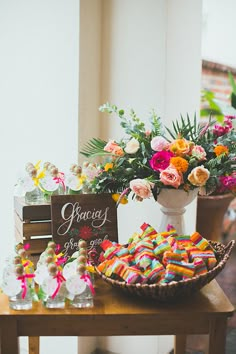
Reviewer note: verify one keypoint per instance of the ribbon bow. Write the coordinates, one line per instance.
(59, 277)
(59, 179)
(23, 283)
(87, 280)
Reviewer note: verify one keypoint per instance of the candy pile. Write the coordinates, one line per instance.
(156, 257)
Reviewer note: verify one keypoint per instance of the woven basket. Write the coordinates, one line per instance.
(175, 289)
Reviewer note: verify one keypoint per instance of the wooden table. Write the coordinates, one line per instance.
(118, 314)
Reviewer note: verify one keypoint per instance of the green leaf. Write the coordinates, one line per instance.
(232, 82)
(233, 99)
(95, 147)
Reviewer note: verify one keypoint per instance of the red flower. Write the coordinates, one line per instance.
(85, 232)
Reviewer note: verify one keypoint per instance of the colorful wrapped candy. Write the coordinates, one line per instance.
(151, 257)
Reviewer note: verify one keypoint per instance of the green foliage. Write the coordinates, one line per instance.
(94, 148)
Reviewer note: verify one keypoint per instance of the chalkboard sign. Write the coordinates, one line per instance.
(90, 217)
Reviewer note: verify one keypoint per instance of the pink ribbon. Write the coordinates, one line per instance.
(60, 179)
(59, 277)
(87, 280)
(58, 247)
(61, 260)
(23, 282)
(26, 246)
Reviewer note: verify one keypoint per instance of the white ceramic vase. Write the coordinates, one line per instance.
(173, 203)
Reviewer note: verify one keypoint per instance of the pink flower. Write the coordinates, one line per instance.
(227, 183)
(160, 160)
(158, 143)
(141, 187)
(198, 152)
(220, 130)
(114, 148)
(171, 177)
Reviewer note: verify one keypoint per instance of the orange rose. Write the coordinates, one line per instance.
(180, 147)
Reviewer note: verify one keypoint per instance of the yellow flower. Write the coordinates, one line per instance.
(179, 163)
(116, 198)
(108, 166)
(221, 149)
(40, 175)
(81, 180)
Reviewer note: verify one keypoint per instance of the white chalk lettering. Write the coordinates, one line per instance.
(75, 213)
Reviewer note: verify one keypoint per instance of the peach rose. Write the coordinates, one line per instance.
(114, 148)
(141, 187)
(171, 177)
(198, 176)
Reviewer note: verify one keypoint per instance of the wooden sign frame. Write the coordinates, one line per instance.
(91, 217)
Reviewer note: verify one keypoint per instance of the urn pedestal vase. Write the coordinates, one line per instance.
(210, 215)
(173, 203)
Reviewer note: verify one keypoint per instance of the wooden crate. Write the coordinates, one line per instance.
(32, 225)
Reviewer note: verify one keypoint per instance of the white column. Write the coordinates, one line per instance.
(150, 58)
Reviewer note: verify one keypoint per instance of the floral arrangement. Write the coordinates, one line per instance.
(147, 159)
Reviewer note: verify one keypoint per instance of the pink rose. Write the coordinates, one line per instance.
(141, 187)
(171, 177)
(199, 152)
(160, 160)
(158, 143)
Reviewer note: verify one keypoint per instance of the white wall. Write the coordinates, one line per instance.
(218, 35)
(38, 90)
(39, 51)
(148, 61)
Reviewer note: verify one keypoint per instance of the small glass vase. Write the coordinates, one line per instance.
(57, 302)
(83, 300)
(53, 295)
(21, 302)
(34, 197)
(81, 291)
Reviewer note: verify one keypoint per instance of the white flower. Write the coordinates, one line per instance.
(132, 146)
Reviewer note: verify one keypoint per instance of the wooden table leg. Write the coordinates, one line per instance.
(9, 342)
(180, 344)
(217, 335)
(33, 345)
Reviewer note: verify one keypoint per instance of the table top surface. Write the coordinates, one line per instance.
(210, 301)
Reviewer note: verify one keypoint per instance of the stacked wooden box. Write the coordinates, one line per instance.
(32, 225)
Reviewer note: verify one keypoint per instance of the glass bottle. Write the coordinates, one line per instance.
(21, 302)
(84, 299)
(53, 289)
(34, 197)
(81, 287)
(20, 289)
